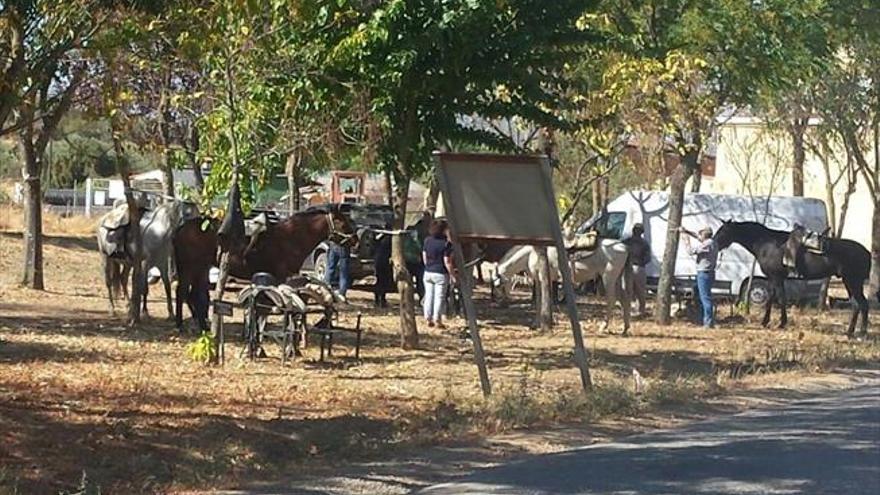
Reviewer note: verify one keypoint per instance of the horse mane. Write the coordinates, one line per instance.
(752, 227)
(305, 214)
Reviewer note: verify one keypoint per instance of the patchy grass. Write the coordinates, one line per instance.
(79, 392)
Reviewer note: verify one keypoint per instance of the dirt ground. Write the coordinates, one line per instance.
(81, 393)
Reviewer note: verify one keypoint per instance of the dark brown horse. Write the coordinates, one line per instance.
(842, 258)
(280, 251)
(195, 252)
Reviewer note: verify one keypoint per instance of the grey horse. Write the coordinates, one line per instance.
(157, 231)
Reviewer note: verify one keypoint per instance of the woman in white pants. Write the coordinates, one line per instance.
(437, 257)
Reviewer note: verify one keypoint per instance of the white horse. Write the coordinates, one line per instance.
(608, 260)
(157, 230)
(514, 262)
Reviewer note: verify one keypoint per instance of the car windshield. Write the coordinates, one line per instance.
(371, 216)
(608, 225)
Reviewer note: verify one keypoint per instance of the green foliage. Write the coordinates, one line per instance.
(267, 94)
(203, 349)
(424, 64)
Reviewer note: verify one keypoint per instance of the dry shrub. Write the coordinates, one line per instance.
(680, 390)
(12, 220)
(529, 404)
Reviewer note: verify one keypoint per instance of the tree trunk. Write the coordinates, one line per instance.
(34, 144)
(293, 162)
(168, 172)
(409, 335)
(596, 193)
(219, 288)
(677, 186)
(431, 196)
(697, 183)
(544, 302)
(165, 135)
(138, 275)
(797, 131)
(389, 188)
(192, 148)
(874, 279)
(844, 207)
(830, 200)
(32, 276)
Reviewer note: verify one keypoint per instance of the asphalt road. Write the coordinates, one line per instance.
(824, 445)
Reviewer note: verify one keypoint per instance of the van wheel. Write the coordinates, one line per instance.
(760, 293)
(321, 265)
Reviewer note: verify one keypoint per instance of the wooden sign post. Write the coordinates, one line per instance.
(504, 198)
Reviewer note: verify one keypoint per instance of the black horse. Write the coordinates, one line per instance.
(843, 258)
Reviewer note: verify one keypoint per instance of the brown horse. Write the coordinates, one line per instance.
(280, 251)
(195, 252)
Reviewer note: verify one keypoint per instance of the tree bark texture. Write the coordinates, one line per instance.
(544, 303)
(797, 131)
(138, 272)
(678, 182)
(32, 274)
(874, 279)
(34, 140)
(697, 183)
(191, 144)
(165, 118)
(293, 163)
(409, 334)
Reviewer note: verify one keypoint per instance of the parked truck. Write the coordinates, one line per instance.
(735, 265)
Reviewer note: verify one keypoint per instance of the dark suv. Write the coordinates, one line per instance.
(366, 218)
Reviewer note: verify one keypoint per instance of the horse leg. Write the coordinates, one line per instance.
(610, 283)
(166, 282)
(765, 322)
(782, 305)
(182, 294)
(123, 281)
(109, 269)
(201, 300)
(858, 302)
(626, 277)
(145, 289)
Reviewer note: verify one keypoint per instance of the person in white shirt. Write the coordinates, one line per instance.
(707, 258)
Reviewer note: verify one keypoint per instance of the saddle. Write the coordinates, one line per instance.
(802, 239)
(296, 294)
(113, 228)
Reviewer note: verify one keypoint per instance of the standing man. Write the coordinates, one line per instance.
(707, 258)
(338, 257)
(639, 257)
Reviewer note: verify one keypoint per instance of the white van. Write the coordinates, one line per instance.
(735, 264)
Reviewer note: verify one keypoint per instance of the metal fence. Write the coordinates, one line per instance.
(93, 197)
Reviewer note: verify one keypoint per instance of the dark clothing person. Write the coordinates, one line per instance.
(437, 257)
(639, 257)
(436, 249)
(384, 272)
(639, 251)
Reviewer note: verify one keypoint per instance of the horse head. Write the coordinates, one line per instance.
(725, 235)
